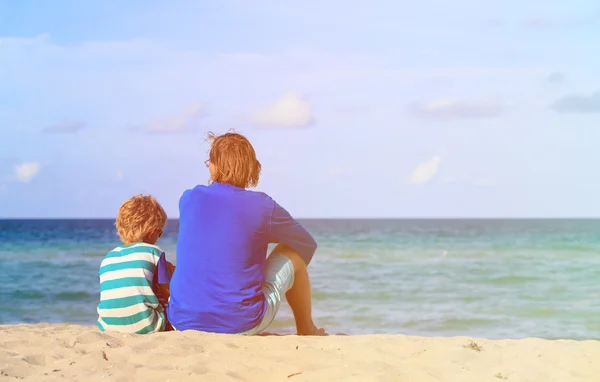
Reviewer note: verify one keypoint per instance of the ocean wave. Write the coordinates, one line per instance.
(75, 296)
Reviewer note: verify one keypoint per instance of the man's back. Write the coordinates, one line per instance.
(224, 282)
(221, 254)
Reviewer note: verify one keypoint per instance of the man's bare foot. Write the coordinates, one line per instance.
(320, 332)
(314, 332)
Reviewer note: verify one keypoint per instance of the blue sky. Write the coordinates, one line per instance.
(391, 109)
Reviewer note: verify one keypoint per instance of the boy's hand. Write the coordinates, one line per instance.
(171, 267)
(162, 293)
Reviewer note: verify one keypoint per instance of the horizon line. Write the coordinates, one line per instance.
(351, 218)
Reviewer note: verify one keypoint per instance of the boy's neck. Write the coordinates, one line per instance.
(151, 242)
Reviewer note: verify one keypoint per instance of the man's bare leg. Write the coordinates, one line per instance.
(299, 296)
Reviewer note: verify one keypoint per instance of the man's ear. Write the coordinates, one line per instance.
(212, 170)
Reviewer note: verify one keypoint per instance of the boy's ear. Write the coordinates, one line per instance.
(153, 236)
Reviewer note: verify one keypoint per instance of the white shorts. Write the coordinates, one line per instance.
(279, 278)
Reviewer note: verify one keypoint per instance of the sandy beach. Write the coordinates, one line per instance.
(61, 352)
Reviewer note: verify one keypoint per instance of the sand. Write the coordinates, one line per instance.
(61, 352)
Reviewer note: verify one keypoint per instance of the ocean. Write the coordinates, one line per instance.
(483, 278)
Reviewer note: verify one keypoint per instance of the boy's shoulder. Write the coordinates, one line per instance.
(124, 250)
(122, 254)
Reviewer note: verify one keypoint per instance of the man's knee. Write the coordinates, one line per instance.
(294, 257)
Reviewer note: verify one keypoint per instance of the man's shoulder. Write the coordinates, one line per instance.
(248, 196)
(194, 190)
(260, 197)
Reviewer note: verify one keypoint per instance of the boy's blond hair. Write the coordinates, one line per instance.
(234, 160)
(138, 216)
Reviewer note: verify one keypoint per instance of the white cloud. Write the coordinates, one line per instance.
(578, 104)
(452, 108)
(425, 171)
(125, 76)
(65, 127)
(289, 111)
(183, 122)
(24, 172)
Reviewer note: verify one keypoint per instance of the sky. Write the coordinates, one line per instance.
(383, 109)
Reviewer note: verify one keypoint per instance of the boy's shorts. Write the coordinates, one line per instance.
(279, 278)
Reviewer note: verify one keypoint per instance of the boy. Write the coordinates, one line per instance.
(224, 281)
(134, 277)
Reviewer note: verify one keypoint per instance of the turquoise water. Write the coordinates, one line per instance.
(500, 278)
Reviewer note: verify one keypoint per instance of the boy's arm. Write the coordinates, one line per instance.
(162, 279)
(287, 231)
(164, 269)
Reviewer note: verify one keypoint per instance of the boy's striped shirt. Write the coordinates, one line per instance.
(127, 302)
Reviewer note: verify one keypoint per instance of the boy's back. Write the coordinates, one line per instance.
(132, 298)
(127, 302)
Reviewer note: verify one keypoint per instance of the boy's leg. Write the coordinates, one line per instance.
(299, 295)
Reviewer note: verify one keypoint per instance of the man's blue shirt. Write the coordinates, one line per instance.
(224, 232)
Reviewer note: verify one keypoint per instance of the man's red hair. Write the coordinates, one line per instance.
(234, 160)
